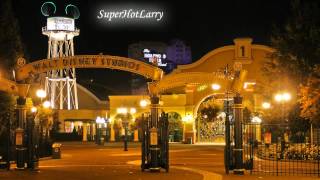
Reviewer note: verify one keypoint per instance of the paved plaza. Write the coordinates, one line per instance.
(89, 161)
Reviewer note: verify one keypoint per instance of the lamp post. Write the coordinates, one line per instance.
(33, 131)
(143, 103)
(266, 105)
(33, 140)
(125, 112)
(215, 86)
(99, 122)
(282, 98)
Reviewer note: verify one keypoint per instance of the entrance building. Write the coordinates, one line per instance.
(189, 91)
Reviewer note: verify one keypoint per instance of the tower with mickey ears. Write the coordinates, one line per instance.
(60, 84)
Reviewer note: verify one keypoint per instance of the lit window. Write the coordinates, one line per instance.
(249, 86)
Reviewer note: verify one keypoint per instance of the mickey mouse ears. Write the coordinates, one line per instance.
(49, 9)
(72, 10)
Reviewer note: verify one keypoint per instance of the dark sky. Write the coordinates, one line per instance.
(204, 25)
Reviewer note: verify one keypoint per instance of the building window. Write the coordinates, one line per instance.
(242, 51)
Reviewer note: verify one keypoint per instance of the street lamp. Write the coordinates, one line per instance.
(282, 98)
(266, 105)
(41, 93)
(215, 86)
(133, 110)
(34, 109)
(99, 122)
(143, 103)
(33, 135)
(46, 104)
(256, 119)
(125, 122)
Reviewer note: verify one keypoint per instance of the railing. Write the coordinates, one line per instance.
(45, 29)
(279, 154)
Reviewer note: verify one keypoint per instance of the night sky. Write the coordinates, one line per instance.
(203, 25)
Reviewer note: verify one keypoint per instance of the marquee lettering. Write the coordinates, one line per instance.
(88, 61)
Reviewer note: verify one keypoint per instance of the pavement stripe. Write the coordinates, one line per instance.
(129, 154)
(208, 154)
(79, 165)
(206, 174)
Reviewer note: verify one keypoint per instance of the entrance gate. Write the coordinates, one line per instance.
(270, 149)
(155, 144)
(27, 144)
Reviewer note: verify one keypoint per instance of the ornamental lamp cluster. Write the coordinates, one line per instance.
(100, 120)
(40, 93)
(123, 110)
(279, 97)
(282, 97)
(266, 105)
(143, 103)
(187, 118)
(34, 109)
(215, 86)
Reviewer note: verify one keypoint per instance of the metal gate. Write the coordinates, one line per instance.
(272, 149)
(155, 144)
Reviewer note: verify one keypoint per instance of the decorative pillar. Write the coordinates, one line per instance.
(189, 109)
(154, 146)
(238, 148)
(184, 132)
(112, 133)
(258, 132)
(136, 135)
(84, 132)
(227, 149)
(19, 141)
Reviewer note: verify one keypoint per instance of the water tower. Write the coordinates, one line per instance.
(60, 84)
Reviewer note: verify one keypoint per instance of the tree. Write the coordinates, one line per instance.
(175, 126)
(297, 53)
(298, 126)
(6, 106)
(210, 112)
(10, 49)
(11, 46)
(310, 97)
(297, 44)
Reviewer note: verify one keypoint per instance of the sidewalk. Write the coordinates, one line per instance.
(89, 161)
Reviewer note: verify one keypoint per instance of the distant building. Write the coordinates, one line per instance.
(178, 52)
(165, 56)
(83, 120)
(135, 50)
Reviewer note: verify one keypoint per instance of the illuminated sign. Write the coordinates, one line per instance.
(90, 61)
(154, 58)
(60, 24)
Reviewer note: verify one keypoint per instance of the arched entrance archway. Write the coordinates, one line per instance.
(175, 127)
(118, 126)
(209, 120)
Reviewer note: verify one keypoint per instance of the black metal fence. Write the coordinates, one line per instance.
(273, 149)
(7, 141)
